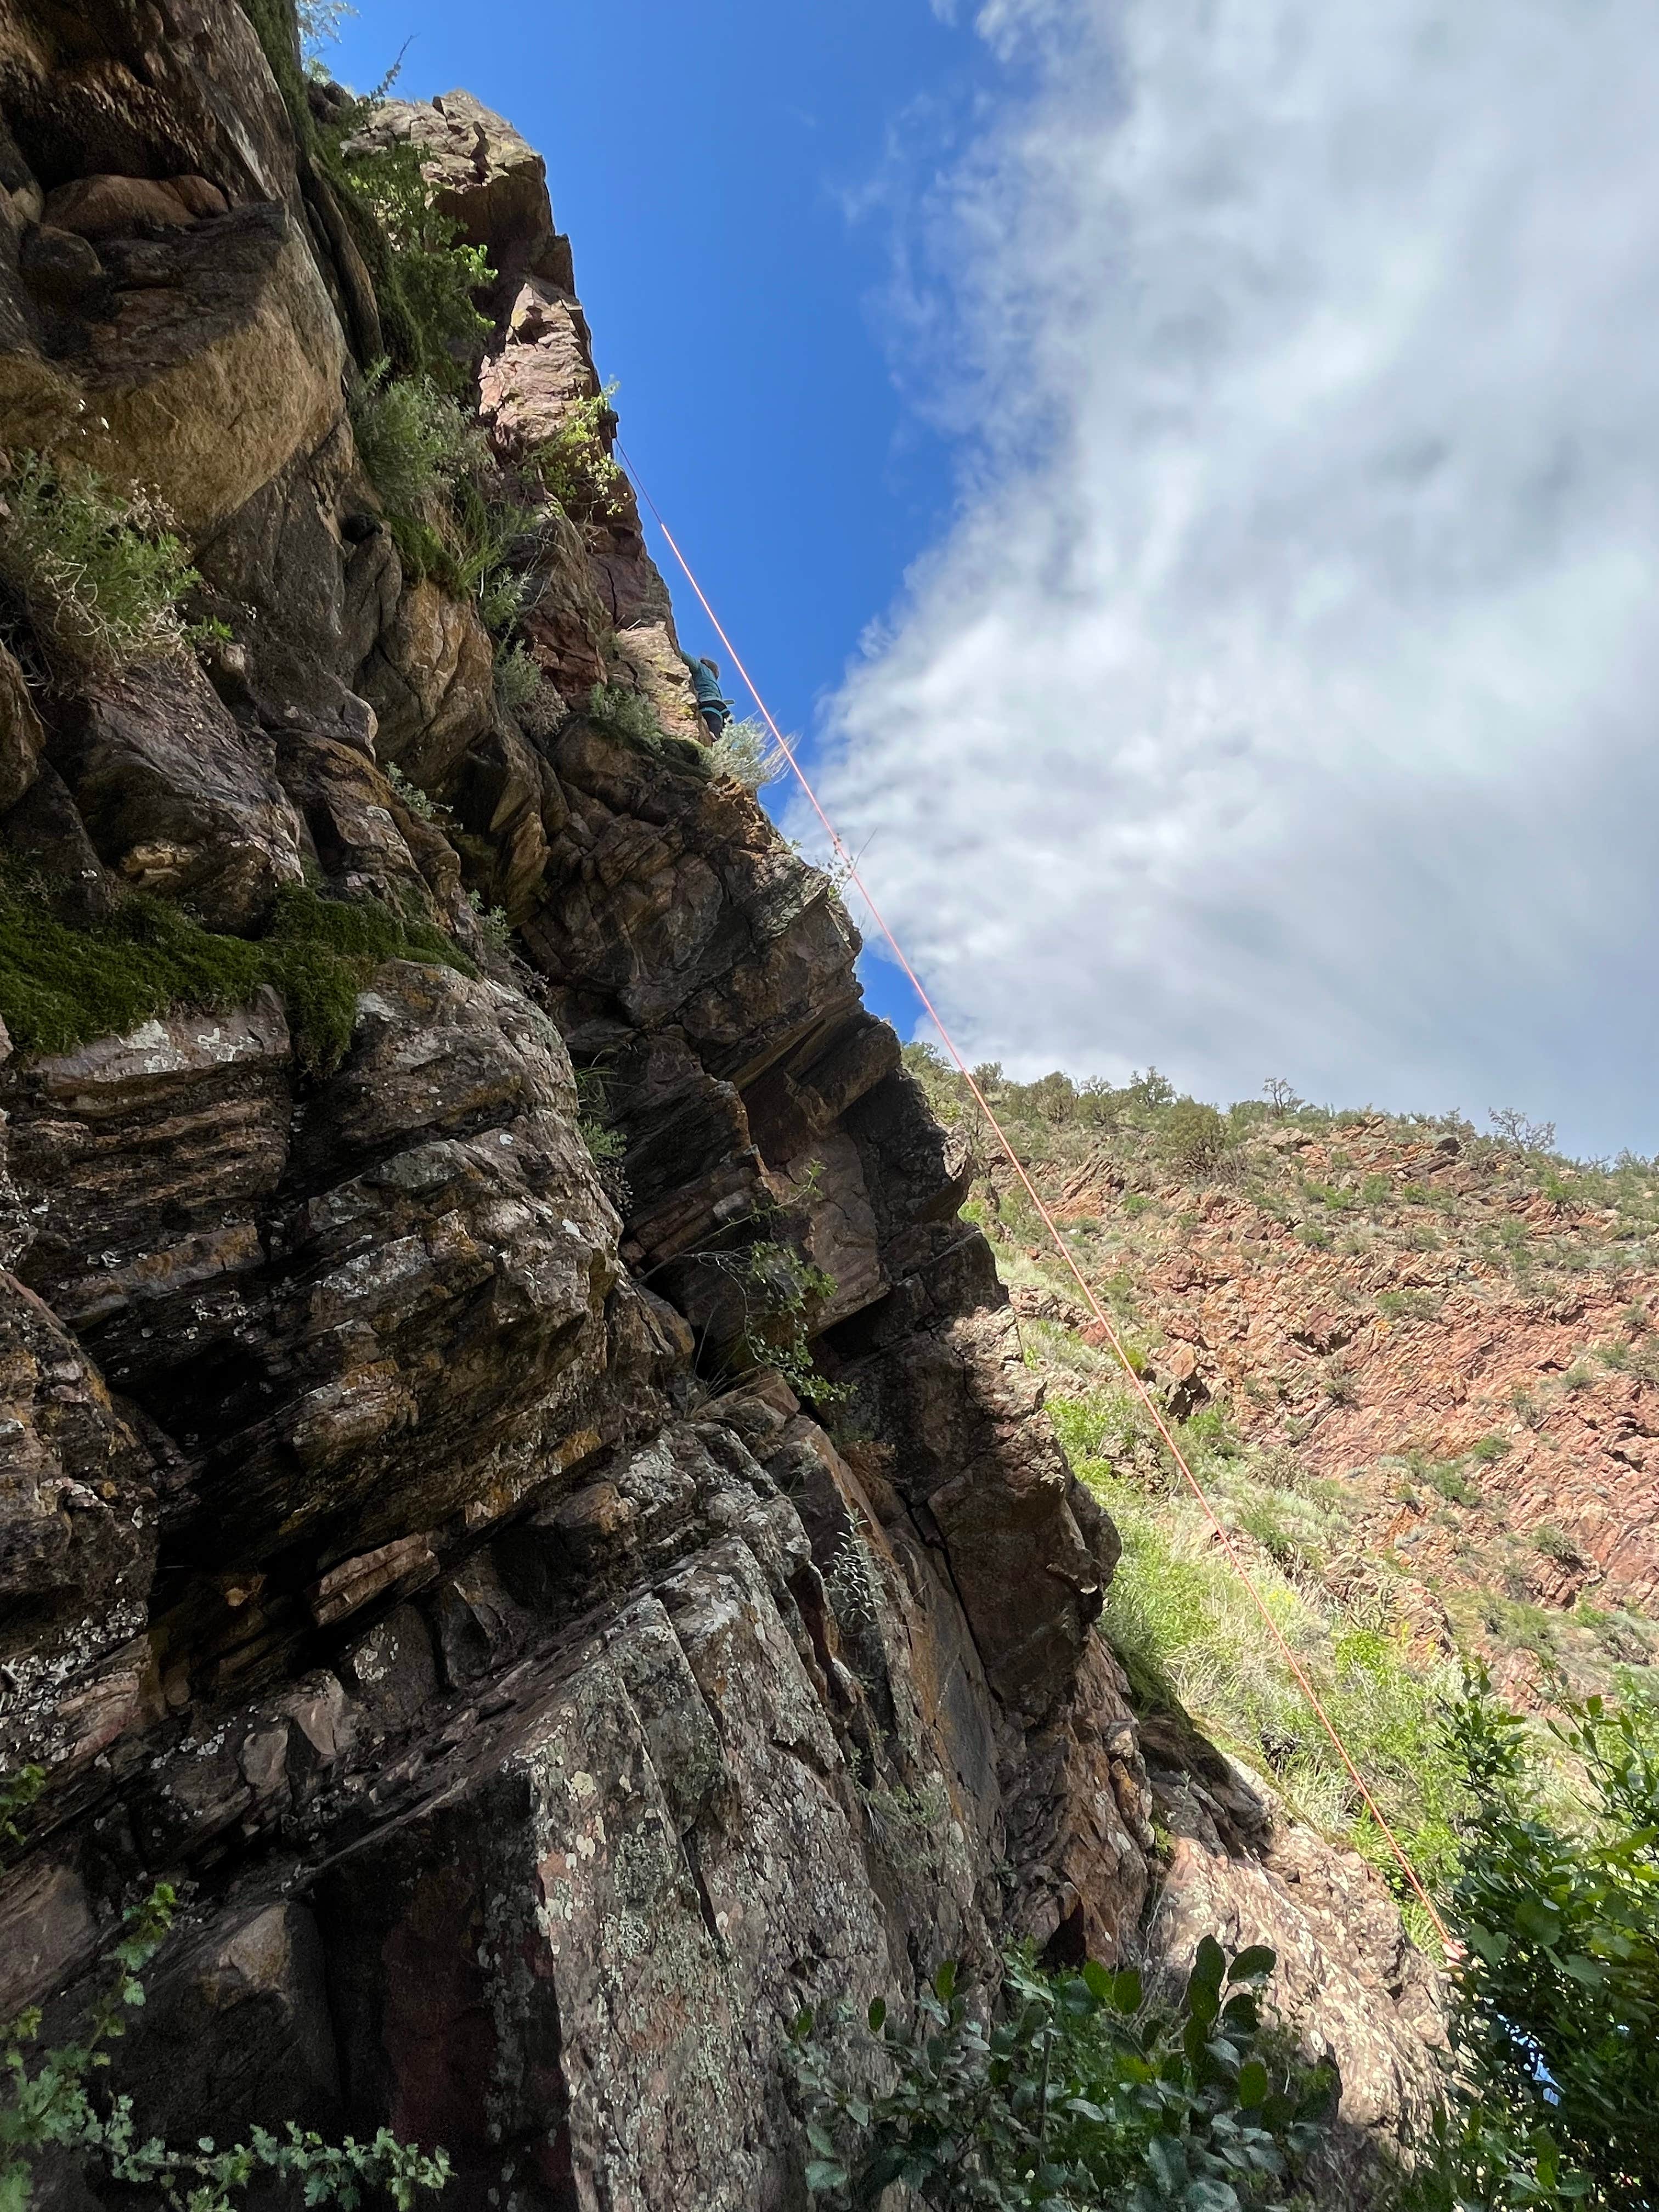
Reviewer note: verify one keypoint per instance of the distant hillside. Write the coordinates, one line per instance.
(1417, 1370)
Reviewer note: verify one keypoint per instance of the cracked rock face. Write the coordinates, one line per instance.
(397, 1543)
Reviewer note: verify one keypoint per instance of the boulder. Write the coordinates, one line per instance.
(176, 797)
(108, 207)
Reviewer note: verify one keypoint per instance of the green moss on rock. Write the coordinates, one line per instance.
(61, 986)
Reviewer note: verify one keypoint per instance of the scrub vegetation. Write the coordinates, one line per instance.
(97, 568)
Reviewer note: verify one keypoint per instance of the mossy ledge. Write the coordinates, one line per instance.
(61, 986)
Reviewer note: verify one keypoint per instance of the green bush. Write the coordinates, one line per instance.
(49, 2107)
(99, 570)
(1193, 1137)
(1079, 2092)
(62, 986)
(625, 715)
(576, 464)
(628, 717)
(1558, 1988)
(416, 440)
(517, 677)
(425, 279)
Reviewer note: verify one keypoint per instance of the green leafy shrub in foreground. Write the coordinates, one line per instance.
(1558, 1988)
(48, 2103)
(1076, 2093)
(99, 570)
(61, 986)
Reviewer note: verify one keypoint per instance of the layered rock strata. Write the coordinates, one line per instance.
(536, 1704)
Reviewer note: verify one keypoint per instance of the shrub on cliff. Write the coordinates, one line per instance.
(1077, 2092)
(748, 753)
(415, 441)
(98, 570)
(427, 276)
(576, 464)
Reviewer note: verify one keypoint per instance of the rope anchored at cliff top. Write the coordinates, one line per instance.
(850, 871)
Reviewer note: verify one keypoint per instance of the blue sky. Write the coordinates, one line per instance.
(733, 181)
(1190, 468)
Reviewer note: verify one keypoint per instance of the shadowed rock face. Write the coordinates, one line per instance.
(395, 1542)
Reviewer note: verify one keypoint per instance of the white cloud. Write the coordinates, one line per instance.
(1283, 698)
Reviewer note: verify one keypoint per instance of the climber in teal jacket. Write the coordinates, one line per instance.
(712, 705)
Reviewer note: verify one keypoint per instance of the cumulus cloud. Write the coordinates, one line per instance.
(1283, 697)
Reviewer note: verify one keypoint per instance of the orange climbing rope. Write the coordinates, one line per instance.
(850, 867)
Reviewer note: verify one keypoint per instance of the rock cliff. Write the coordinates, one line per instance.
(407, 1544)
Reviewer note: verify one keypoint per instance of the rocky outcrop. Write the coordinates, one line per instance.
(409, 1539)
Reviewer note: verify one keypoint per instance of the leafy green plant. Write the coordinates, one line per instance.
(497, 931)
(576, 464)
(628, 717)
(433, 274)
(416, 440)
(626, 714)
(1076, 2093)
(1558, 1988)
(50, 2106)
(99, 569)
(410, 796)
(780, 1293)
(517, 677)
(19, 1791)
(61, 986)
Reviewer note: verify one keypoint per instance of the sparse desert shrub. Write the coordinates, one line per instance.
(747, 752)
(1340, 1387)
(1555, 1545)
(1444, 1476)
(496, 930)
(1488, 1448)
(410, 796)
(517, 677)
(626, 714)
(100, 569)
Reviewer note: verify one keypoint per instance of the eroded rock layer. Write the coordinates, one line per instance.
(397, 1548)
